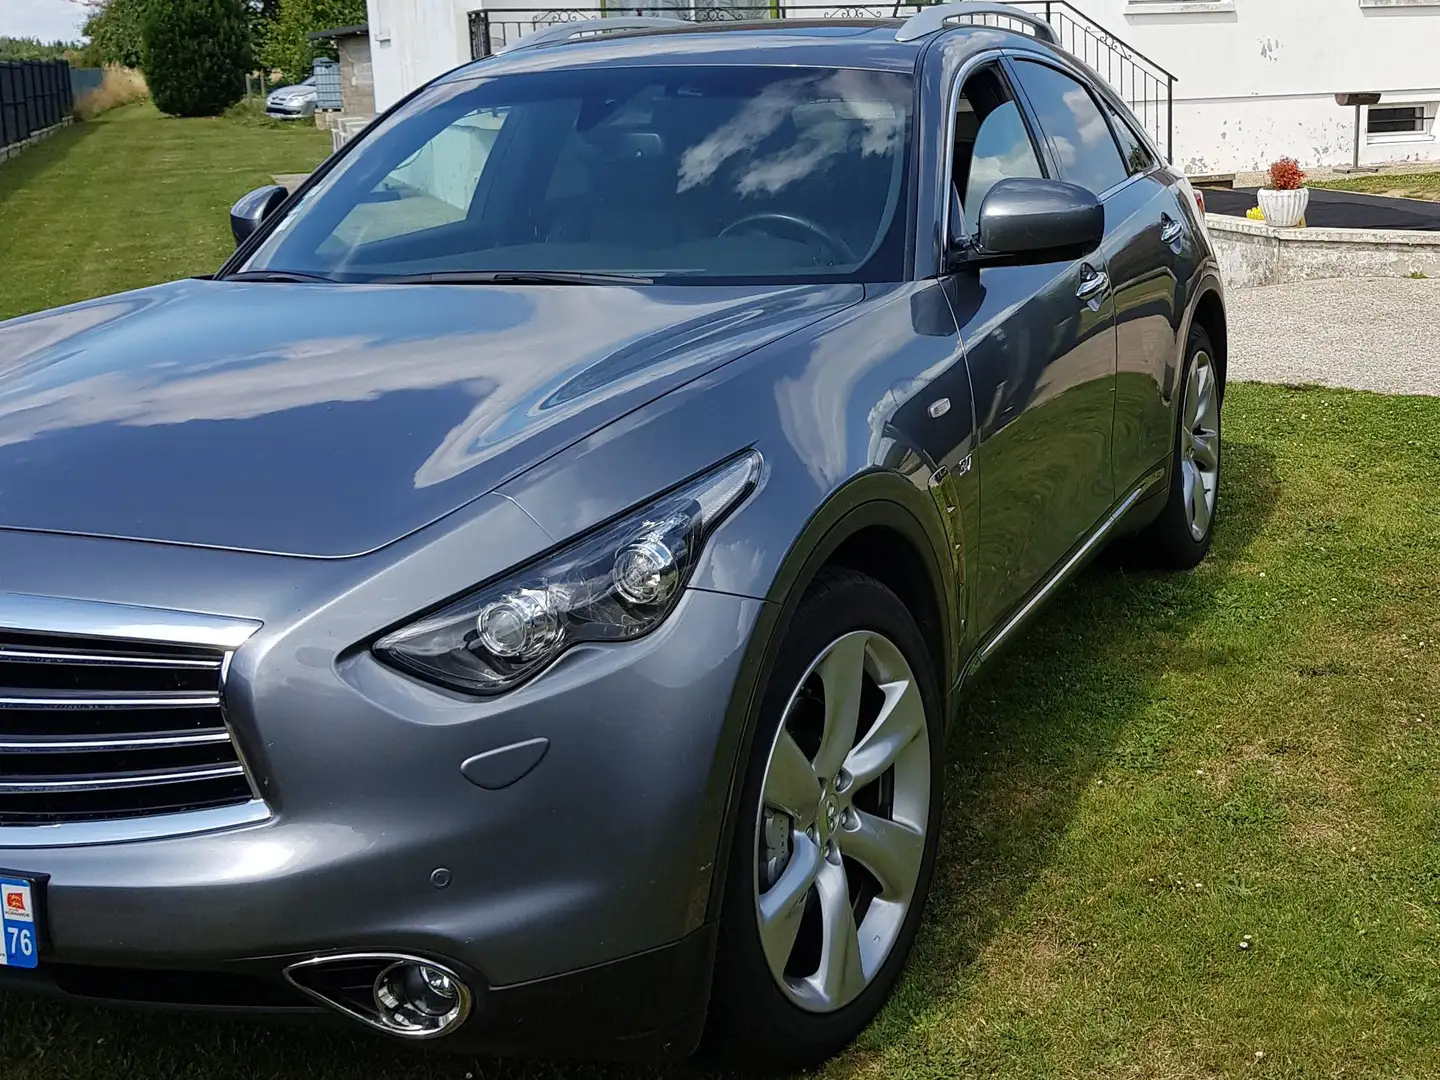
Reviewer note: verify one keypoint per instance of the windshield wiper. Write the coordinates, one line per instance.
(291, 276)
(517, 277)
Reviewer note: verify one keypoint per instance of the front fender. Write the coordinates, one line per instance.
(819, 408)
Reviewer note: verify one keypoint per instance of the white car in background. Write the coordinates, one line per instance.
(293, 102)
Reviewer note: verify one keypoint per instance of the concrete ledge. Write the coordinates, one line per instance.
(1253, 253)
(7, 152)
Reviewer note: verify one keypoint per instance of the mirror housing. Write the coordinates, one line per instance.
(254, 209)
(1028, 220)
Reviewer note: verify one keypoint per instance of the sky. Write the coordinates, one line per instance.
(49, 20)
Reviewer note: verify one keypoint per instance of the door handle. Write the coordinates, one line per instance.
(1170, 229)
(1092, 284)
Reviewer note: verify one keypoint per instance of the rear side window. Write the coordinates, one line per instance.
(1078, 133)
(1138, 158)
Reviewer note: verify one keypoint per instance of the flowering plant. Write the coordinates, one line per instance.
(1285, 175)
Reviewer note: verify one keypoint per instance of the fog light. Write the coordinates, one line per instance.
(420, 999)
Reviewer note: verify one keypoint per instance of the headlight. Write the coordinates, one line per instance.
(613, 585)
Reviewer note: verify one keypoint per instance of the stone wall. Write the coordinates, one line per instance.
(1253, 253)
(357, 76)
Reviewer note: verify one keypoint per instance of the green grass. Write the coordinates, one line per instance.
(131, 199)
(1162, 766)
(1401, 185)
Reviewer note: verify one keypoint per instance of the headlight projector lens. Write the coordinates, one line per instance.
(646, 572)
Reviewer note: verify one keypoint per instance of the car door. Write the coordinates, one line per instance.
(1039, 343)
(1097, 147)
(1149, 244)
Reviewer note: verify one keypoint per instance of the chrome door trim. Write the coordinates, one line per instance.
(1064, 572)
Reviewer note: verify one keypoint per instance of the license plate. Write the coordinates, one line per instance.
(20, 920)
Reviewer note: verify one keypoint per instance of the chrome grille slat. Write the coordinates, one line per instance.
(114, 743)
(106, 728)
(110, 783)
(157, 700)
(97, 659)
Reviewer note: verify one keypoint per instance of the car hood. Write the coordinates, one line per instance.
(330, 420)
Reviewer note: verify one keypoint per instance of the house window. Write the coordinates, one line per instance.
(1396, 120)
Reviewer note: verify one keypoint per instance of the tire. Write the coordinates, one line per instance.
(1176, 539)
(814, 1006)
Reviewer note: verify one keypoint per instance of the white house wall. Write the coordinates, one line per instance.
(1256, 79)
(412, 41)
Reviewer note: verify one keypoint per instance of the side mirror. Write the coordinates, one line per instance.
(1026, 220)
(254, 210)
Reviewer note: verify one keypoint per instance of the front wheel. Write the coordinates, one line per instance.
(835, 843)
(1180, 537)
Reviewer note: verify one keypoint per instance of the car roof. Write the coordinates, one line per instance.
(849, 43)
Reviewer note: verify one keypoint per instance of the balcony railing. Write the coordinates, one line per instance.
(1143, 84)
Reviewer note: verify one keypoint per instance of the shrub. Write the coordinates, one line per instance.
(119, 86)
(196, 55)
(1285, 175)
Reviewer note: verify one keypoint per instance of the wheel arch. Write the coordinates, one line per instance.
(879, 524)
(1208, 313)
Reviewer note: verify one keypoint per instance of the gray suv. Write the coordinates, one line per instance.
(519, 600)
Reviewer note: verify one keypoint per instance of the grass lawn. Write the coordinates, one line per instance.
(1163, 769)
(132, 199)
(1400, 185)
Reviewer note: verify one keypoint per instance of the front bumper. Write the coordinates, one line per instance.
(585, 880)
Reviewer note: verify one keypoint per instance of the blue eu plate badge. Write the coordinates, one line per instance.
(17, 924)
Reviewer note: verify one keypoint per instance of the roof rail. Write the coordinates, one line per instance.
(932, 19)
(568, 31)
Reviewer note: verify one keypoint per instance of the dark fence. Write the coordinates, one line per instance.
(85, 81)
(34, 95)
(1146, 86)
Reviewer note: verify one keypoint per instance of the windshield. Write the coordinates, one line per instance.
(690, 174)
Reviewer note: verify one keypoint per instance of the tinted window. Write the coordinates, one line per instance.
(686, 174)
(1080, 136)
(432, 187)
(1137, 156)
(1002, 149)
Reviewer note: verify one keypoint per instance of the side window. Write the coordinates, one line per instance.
(430, 188)
(1079, 135)
(991, 142)
(1137, 156)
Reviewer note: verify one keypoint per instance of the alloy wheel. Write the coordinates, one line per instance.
(840, 834)
(1200, 444)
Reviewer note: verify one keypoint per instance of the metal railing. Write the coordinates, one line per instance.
(34, 95)
(1144, 85)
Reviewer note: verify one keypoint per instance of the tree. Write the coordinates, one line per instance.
(114, 32)
(12, 48)
(287, 45)
(196, 54)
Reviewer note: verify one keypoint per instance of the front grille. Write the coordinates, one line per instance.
(95, 728)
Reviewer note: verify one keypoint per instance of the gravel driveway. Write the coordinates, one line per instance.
(1370, 334)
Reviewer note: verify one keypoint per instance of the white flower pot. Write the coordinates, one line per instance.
(1284, 208)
